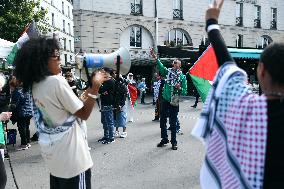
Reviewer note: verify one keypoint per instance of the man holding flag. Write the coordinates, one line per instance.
(175, 85)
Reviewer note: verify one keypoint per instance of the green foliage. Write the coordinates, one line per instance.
(15, 15)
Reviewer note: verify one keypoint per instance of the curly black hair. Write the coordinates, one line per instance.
(31, 61)
(273, 59)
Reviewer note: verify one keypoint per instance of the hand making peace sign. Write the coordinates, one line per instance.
(214, 10)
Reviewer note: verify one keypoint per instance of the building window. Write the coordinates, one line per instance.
(177, 37)
(264, 41)
(136, 7)
(68, 13)
(63, 25)
(177, 9)
(257, 18)
(62, 7)
(70, 46)
(52, 20)
(69, 28)
(65, 57)
(239, 41)
(135, 36)
(239, 14)
(273, 18)
(64, 44)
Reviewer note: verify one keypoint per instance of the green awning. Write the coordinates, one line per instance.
(245, 53)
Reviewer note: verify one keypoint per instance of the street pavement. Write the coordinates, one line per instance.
(130, 163)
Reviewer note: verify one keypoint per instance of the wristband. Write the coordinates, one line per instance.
(213, 27)
(93, 96)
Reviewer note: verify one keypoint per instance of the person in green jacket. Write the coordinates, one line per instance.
(175, 85)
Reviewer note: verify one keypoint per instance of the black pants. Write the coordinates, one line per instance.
(196, 98)
(168, 110)
(3, 176)
(81, 181)
(143, 97)
(23, 124)
(157, 108)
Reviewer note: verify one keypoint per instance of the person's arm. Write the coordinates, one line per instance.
(163, 70)
(86, 110)
(214, 35)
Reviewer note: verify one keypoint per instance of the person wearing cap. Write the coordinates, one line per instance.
(70, 79)
(106, 92)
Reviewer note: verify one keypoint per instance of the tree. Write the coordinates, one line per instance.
(15, 15)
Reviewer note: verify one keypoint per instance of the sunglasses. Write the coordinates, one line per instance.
(56, 55)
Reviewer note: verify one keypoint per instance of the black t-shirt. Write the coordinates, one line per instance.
(107, 92)
(274, 161)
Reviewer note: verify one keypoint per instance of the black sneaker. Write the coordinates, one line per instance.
(108, 141)
(102, 139)
(162, 143)
(34, 138)
(174, 146)
(194, 106)
(155, 119)
(6, 156)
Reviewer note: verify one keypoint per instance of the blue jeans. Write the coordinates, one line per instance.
(107, 121)
(168, 110)
(121, 116)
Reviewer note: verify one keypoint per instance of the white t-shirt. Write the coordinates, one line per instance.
(69, 156)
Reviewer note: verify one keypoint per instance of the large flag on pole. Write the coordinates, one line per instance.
(203, 71)
(30, 31)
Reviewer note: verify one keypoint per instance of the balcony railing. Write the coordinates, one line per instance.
(257, 23)
(273, 25)
(136, 9)
(239, 21)
(177, 14)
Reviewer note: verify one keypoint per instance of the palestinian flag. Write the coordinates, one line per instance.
(30, 31)
(203, 72)
(132, 93)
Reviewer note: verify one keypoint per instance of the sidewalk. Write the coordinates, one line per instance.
(131, 163)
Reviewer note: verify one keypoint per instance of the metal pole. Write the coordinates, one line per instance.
(157, 24)
(116, 103)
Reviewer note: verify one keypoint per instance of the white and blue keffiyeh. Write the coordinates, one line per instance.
(233, 126)
(49, 135)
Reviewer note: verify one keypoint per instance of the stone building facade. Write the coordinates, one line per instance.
(103, 26)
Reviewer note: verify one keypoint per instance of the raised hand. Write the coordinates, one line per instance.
(97, 79)
(4, 116)
(214, 9)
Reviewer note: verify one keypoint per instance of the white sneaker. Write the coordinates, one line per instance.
(123, 135)
(116, 134)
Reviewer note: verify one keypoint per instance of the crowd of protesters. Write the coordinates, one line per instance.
(245, 127)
